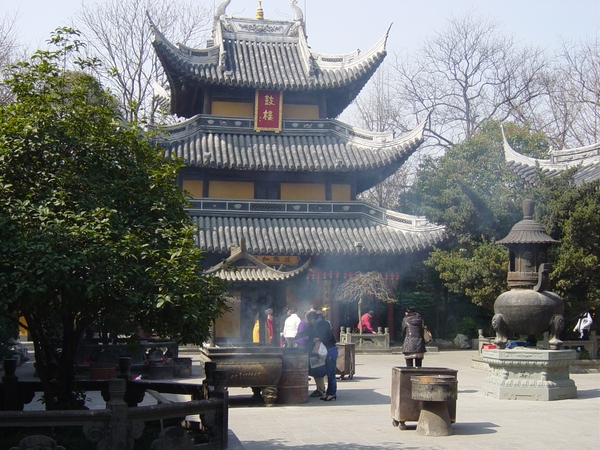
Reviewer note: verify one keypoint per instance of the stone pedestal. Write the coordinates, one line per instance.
(529, 374)
(434, 391)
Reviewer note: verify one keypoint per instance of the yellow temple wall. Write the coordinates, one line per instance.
(341, 192)
(243, 109)
(235, 109)
(193, 188)
(291, 111)
(245, 190)
(302, 191)
(230, 189)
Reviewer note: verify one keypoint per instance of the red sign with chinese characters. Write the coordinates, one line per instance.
(268, 110)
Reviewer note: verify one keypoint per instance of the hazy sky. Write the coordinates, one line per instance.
(339, 26)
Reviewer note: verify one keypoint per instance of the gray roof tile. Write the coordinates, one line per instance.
(303, 145)
(270, 54)
(306, 233)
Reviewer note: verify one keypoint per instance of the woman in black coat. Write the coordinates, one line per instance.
(414, 342)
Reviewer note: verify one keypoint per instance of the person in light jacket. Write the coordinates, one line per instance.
(414, 342)
(290, 327)
(584, 323)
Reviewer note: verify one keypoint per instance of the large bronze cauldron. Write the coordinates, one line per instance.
(250, 366)
(528, 312)
(528, 308)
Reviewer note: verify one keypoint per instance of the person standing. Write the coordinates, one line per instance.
(269, 326)
(366, 322)
(323, 333)
(290, 327)
(413, 347)
(584, 323)
(256, 330)
(304, 340)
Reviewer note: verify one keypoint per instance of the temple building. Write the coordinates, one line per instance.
(273, 177)
(585, 159)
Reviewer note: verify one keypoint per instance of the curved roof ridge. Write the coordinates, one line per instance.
(353, 58)
(193, 56)
(587, 152)
(511, 155)
(309, 69)
(586, 159)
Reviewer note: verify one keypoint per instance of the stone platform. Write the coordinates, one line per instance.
(529, 374)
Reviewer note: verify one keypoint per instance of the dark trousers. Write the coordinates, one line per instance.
(418, 362)
(330, 363)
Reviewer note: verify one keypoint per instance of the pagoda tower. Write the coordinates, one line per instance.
(273, 176)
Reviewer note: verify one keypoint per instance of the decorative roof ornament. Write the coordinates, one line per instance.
(260, 15)
(298, 14)
(221, 9)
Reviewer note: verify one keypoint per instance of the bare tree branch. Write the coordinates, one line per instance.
(117, 32)
(364, 286)
(466, 74)
(8, 49)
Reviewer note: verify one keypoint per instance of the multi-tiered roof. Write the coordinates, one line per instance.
(249, 54)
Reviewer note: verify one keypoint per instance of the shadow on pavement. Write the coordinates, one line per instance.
(588, 393)
(473, 428)
(344, 397)
(277, 444)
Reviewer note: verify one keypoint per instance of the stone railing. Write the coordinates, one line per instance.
(591, 345)
(366, 341)
(122, 422)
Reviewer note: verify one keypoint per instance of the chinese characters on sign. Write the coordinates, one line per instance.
(278, 260)
(268, 110)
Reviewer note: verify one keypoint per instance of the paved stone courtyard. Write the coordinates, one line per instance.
(360, 417)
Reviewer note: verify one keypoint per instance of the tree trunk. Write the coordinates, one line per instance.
(360, 316)
(56, 369)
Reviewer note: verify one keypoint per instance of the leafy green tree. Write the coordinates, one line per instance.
(572, 214)
(93, 225)
(473, 193)
(479, 274)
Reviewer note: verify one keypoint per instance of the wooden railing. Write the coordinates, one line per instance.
(122, 422)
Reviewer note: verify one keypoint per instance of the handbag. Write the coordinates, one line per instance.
(319, 369)
(427, 336)
(322, 351)
(316, 361)
(317, 358)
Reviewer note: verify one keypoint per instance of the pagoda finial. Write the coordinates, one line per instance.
(259, 11)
